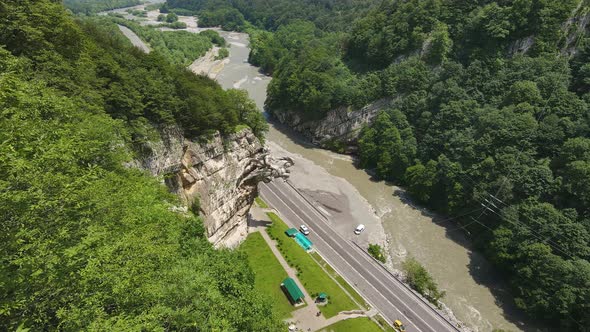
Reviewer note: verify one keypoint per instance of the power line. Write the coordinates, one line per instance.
(463, 226)
(541, 114)
(495, 201)
(438, 222)
(529, 228)
(556, 248)
(536, 235)
(541, 240)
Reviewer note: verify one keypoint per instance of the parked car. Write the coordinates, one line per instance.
(304, 230)
(359, 229)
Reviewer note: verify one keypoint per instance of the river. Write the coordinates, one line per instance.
(474, 291)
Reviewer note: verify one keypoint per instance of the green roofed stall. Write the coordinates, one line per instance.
(291, 232)
(295, 294)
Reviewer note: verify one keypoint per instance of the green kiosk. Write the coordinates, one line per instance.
(295, 294)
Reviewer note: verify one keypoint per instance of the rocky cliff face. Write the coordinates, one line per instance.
(572, 32)
(575, 29)
(341, 124)
(220, 174)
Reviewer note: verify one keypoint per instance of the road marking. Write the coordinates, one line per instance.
(400, 286)
(366, 259)
(324, 211)
(379, 281)
(344, 260)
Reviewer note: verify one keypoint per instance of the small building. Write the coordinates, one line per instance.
(323, 297)
(293, 292)
(291, 232)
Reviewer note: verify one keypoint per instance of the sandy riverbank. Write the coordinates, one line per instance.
(474, 290)
(208, 64)
(336, 198)
(345, 208)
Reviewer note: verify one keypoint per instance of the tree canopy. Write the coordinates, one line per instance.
(487, 112)
(94, 6)
(87, 243)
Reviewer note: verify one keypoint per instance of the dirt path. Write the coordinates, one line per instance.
(305, 318)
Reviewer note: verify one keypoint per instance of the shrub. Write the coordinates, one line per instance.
(171, 17)
(223, 53)
(420, 280)
(214, 37)
(196, 206)
(177, 25)
(376, 251)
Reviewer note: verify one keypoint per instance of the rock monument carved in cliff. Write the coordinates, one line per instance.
(219, 177)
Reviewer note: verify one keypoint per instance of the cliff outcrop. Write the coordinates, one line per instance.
(340, 125)
(219, 177)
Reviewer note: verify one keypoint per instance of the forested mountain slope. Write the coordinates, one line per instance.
(95, 6)
(488, 121)
(329, 15)
(85, 243)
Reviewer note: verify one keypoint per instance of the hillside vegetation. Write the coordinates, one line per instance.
(95, 6)
(328, 15)
(178, 47)
(85, 243)
(489, 120)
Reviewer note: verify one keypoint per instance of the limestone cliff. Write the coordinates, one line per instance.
(575, 29)
(572, 32)
(341, 124)
(221, 174)
(339, 129)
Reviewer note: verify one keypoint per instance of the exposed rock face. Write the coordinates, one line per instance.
(342, 123)
(575, 29)
(222, 174)
(521, 46)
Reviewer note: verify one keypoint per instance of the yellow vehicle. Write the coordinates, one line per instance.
(399, 326)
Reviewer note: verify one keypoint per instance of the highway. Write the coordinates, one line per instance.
(385, 293)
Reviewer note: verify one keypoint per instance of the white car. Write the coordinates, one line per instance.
(304, 230)
(359, 229)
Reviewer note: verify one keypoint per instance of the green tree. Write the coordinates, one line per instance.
(421, 280)
(88, 243)
(441, 44)
(247, 112)
(376, 251)
(421, 180)
(171, 17)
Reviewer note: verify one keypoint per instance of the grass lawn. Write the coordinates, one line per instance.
(381, 321)
(268, 273)
(311, 275)
(357, 297)
(353, 325)
(260, 203)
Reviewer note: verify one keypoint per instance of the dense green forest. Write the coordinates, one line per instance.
(328, 15)
(178, 47)
(86, 243)
(488, 119)
(95, 6)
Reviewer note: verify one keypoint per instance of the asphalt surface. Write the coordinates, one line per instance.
(385, 293)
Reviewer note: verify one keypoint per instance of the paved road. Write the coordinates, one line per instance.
(382, 290)
(135, 40)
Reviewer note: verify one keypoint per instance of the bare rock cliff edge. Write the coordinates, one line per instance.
(340, 125)
(218, 176)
